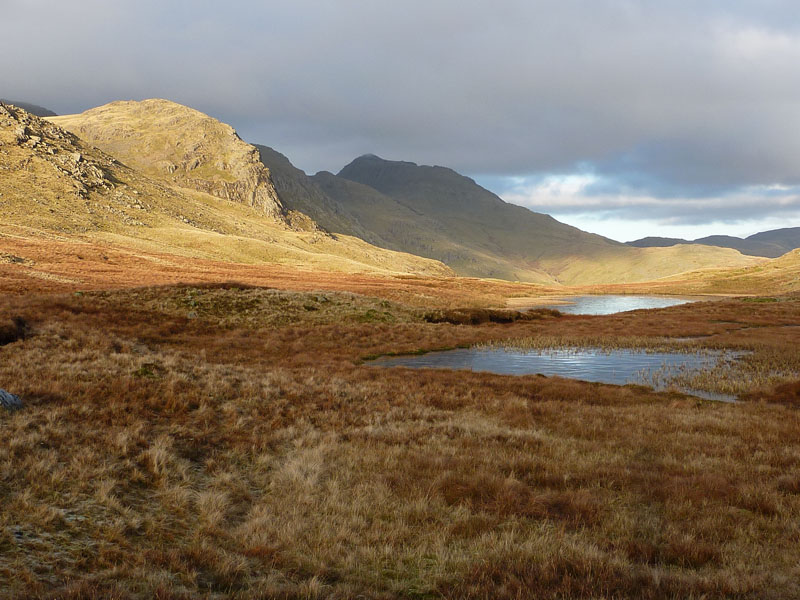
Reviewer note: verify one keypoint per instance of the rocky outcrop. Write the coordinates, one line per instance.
(180, 145)
(58, 147)
(34, 109)
(9, 401)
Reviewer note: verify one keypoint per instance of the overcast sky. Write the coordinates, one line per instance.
(624, 117)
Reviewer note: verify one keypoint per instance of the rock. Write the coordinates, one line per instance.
(10, 401)
(21, 133)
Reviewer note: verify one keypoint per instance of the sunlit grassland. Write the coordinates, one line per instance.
(226, 441)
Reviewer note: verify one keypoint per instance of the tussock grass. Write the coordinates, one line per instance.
(257, 459)
(476, 316)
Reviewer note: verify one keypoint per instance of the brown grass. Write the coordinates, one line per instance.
(225, 440)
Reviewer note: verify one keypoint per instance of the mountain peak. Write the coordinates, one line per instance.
(373, 161)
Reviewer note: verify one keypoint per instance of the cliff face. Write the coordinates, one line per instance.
(180, 145)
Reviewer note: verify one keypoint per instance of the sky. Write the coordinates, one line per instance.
(626, 118)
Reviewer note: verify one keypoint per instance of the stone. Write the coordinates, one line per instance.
(10, 401)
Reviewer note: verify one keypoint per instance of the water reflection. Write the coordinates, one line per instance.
(610, 304)
(588, 364)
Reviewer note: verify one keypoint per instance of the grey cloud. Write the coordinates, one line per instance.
(728, 209)
(664, 98)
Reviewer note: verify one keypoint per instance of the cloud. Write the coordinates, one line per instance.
(586, 193)
(683, 101)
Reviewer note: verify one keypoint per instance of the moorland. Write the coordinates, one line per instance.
(221, 439)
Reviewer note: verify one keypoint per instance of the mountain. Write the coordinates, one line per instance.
(56, 186)
(657, 242)
(438, 213)
(181, 145)
(298, 192)
(787, 237)
(770, 244)
(33, 109)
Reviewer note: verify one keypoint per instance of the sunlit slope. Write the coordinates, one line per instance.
(645, 264)
(53, 183)
(777, 276)
(178, 144)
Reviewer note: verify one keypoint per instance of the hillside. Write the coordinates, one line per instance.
(787, 237)
(777, 276)
(437, 213)
(301, 193)
(55, 185)
(175, 143)
(769, 244)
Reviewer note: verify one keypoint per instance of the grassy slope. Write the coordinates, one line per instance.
(299, 192)
(54, 183)
(180, 145)
(776, 276)
(402, 228)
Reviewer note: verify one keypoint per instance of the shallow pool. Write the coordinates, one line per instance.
(609, 304)
(618, 366)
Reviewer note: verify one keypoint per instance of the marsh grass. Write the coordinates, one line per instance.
(245, 453)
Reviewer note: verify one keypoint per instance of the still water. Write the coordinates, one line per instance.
(610, 304)
(588, 364)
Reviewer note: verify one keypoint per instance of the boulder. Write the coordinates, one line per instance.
(10, 401)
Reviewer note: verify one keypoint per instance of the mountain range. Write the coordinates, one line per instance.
(158, 175)
(770, 244)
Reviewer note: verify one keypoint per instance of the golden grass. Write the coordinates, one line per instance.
(242, 450)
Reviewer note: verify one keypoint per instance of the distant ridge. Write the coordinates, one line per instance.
(33, 109)
(769, 244)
